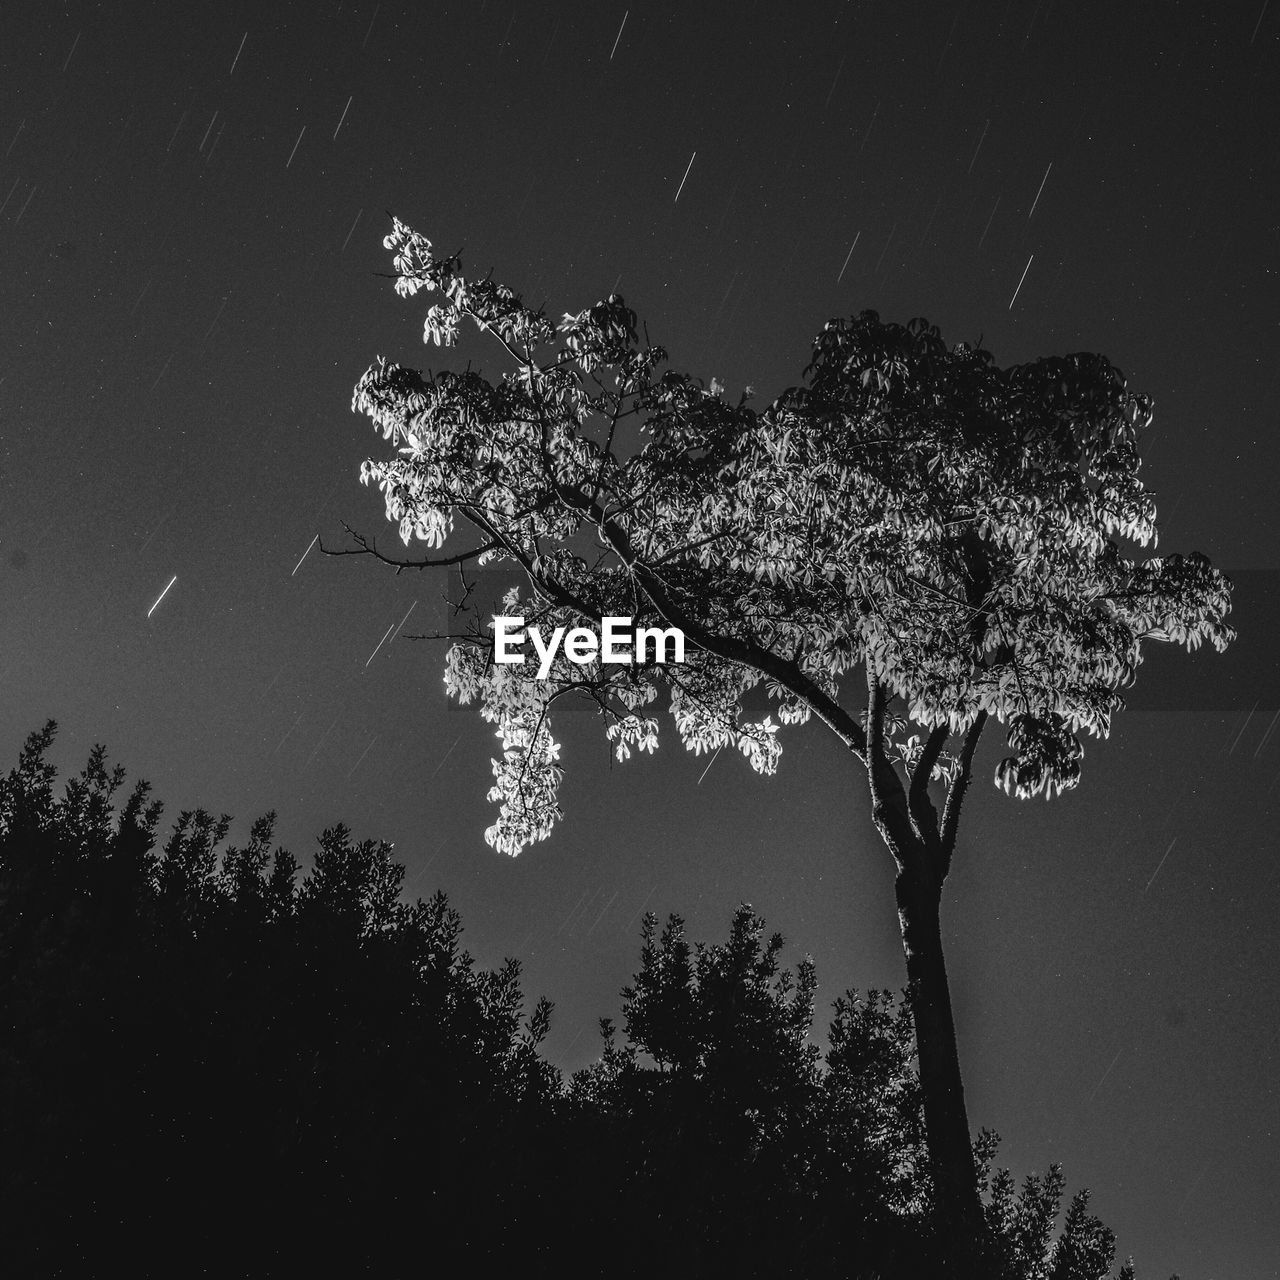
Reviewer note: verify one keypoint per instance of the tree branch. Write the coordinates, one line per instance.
(876, 761)
(955, 797)
(924, 817)
(550, 588)
(889, 807)
(742, 652)
(533, 739)
(691, 546)
(368, 548)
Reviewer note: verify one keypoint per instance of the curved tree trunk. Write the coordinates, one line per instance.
(921, 846)
(946, 1119)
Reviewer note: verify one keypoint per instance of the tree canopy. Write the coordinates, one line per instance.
(965, 533)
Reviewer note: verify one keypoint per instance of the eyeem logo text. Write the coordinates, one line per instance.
(619, 641)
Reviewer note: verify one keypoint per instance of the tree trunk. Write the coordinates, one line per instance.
(946, 1120)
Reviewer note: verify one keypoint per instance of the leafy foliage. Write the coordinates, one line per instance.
(725, 1123)
(1021, 1226)
(963, 532)
(208, 1059)
(214, 1063)
(816, 1163)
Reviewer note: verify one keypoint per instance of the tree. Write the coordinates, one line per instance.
(725, 1129)
(746, 1152)
(1021, 1227)
(706, 1107)
(956, 540)
(207, 1057)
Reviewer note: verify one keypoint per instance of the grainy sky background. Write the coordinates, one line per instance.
(193, 204)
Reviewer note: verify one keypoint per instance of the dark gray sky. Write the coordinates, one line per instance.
(193, 205)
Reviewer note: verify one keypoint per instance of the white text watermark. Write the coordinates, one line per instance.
(619, 641)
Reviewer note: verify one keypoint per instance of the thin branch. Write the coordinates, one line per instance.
(487, 326)
(370, 548)
(736, 732)
(569, 686)
(693, 546)
(528, 752)
(942, 595)
(607, 453)
(550, 589)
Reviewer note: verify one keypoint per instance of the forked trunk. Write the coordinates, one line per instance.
(946, 1120)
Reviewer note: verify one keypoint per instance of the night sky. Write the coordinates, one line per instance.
(194, 200)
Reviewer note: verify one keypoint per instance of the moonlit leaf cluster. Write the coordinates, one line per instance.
(970, 536)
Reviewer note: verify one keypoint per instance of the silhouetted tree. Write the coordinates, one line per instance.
(211, 1063)
(959, 532)
(1021, 1227)
(718, 1112)
(752, 1154)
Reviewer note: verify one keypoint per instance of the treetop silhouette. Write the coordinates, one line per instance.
(209, 1056)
